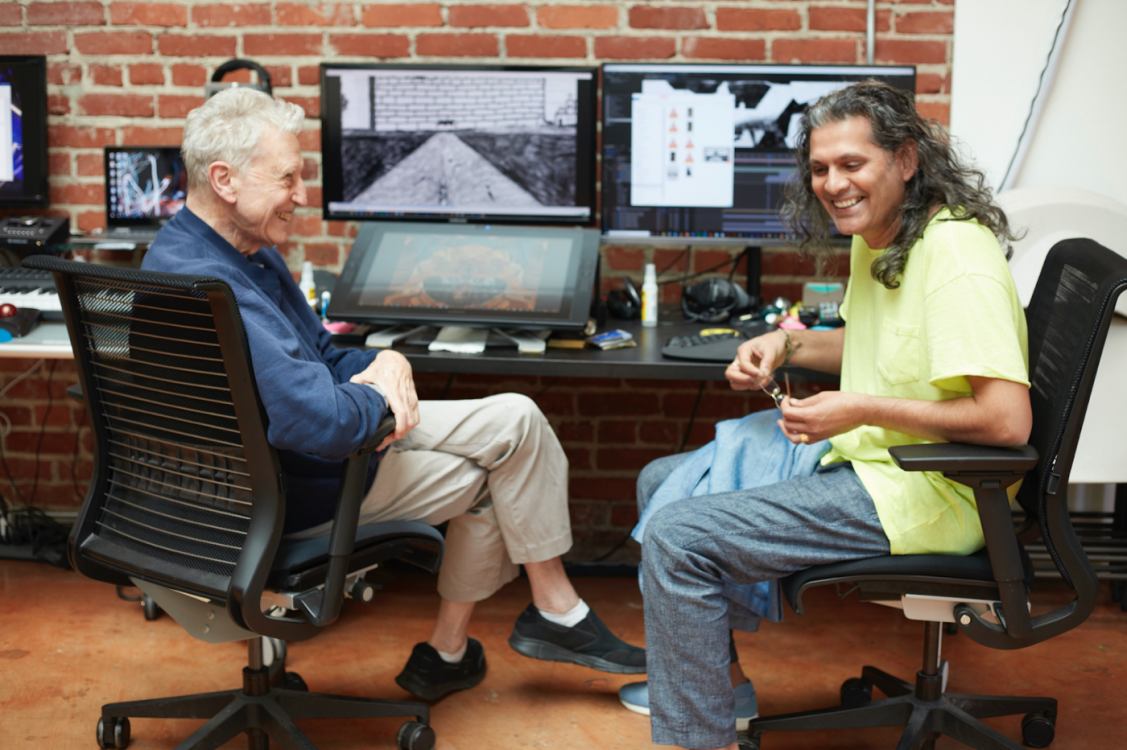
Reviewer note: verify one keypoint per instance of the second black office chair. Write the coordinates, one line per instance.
(985, 594)
(187, 502)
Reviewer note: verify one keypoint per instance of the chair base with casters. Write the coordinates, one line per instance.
(265, 708)
(939, 590)
(922, 709)
(272, 699)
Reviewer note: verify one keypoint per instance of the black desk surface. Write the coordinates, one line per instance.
(642, 361)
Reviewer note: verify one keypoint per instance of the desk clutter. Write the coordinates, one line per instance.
(26, 296)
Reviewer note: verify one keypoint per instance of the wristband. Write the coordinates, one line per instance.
(790, 349)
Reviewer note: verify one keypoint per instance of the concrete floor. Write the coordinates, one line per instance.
(68, 645)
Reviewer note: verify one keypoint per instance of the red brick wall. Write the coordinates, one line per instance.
(128, 72)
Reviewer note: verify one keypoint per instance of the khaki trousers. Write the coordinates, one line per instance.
(495, 470)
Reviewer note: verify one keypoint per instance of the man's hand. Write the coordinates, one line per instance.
(755, 360)
(391, 371)
(821, 416)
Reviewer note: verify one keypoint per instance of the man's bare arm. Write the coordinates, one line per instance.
(996, 413)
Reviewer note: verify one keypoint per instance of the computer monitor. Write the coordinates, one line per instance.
(488, 144)
(23, 131)
(145, 185)
(475, 276)
(704, 151)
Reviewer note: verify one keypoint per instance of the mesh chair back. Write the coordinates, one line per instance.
(175, 481)
(1068, 319)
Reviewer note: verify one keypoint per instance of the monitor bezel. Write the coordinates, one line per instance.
(587, 136)
(147, 221)
(36, 192)
(342, 305)
(616, 236)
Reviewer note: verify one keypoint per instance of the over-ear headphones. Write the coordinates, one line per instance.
(625, 303)
(216, 84)
(714, 301)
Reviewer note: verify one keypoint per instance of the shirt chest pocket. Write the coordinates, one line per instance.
(899, 358)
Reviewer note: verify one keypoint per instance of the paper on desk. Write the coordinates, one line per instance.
(460, 340)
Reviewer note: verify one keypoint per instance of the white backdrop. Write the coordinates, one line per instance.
(1000, 49)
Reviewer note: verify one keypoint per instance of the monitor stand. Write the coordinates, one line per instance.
(458, 339)
(388, 337)
(527, 343)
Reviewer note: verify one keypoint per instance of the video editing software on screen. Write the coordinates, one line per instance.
(706, 150)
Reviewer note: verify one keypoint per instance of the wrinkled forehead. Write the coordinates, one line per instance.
(277, 153)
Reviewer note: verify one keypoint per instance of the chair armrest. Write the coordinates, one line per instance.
(385, 428)
(322, 606)
(988, 471)
(957, 458)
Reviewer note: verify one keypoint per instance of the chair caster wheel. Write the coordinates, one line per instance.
(415, 736)
(113, 732)
(151, 608)
(293, 681)
(273, 650)
(856, 692)
(1038, 728)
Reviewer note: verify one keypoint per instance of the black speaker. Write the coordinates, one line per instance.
(714, 301)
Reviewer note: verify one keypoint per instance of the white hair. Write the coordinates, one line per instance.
(228, 127)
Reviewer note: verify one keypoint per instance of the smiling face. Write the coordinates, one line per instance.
(267, 192)
(860, 185)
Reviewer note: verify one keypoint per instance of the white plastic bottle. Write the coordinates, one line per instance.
(649, 297)
(306, 285)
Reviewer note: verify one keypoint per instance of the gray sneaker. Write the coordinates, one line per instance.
(636, 697)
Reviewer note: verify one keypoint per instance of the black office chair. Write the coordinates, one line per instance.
(984, 594)
(187, 503)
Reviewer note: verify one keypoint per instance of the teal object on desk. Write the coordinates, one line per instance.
(5, 336)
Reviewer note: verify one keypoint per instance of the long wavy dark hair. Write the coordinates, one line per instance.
(940, 179)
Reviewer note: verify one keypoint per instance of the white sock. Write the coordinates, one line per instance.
(568, 619)
(455, 657)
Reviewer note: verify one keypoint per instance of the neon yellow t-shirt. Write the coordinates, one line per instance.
(955, 314)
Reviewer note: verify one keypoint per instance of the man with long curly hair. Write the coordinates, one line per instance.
(934, 349)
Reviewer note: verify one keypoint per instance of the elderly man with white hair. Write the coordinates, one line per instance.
(491, 467)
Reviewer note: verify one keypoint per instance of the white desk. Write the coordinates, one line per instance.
(47, 341)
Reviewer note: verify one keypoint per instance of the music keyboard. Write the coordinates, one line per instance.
(30, 287)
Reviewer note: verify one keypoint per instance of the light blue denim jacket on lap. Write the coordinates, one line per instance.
(746, 453)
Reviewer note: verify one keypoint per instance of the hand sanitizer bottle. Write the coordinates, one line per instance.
(306, 285)
(649, 297)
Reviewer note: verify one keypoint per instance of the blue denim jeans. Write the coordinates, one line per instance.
(691, 547)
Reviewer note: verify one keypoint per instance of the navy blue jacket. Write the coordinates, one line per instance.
(317, 418)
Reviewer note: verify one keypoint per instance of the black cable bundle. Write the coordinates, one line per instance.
(31, 527)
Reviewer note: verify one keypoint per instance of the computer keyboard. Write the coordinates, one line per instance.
(710, 345)
(33, 288)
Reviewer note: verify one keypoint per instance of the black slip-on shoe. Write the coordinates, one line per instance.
(429, 677)
(590, 643)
